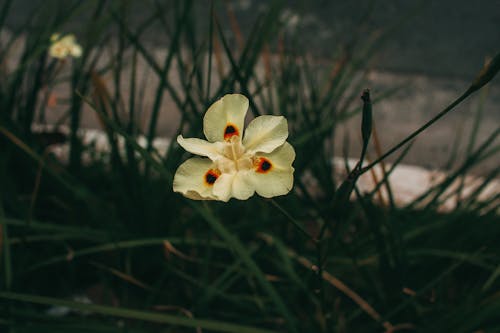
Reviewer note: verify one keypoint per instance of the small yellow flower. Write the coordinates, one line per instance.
(62, 47)
(236, 166)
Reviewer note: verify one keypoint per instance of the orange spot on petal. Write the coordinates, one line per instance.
(211, 176)
(263, 165)
(230, 131)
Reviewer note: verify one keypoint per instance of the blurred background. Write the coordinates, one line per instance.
(430, 53)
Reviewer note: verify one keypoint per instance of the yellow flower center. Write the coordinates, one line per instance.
(235, 158)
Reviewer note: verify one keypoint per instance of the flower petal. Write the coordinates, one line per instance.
(191, 179)
(242, 185)
(234, 185)
(58, 51)
(69, 39)
(200, 147)
(223, 186)
(54, 37)
(274, 175)
(225, 117)
(76, 50)
(265, 134)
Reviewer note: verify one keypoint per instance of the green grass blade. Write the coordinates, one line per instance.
(120, 245)
(130, 314)
(244, 255)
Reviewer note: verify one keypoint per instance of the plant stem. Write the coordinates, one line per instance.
(418, 131)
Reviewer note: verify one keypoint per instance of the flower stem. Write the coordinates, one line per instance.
(294, 221)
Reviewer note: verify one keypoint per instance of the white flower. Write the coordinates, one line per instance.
(62, 47)
(236, 166)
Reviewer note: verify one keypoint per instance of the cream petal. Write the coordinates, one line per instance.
(54, 37)
(76, 50)
(265, 134)
(229, 110)
(58, 51)
(279, 179)
(223, 186)
(273, 184)
(68, 40)
(189, 179)
(200, 147)
(242, 186)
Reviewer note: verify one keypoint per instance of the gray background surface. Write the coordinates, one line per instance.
(447, 37)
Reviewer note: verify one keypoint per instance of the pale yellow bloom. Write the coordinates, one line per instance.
(65, 46)
(236, 165)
